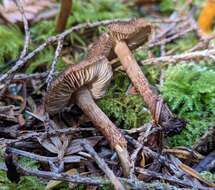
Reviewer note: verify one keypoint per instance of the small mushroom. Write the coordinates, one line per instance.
(130, 35)
(81, 84)
(103, 46)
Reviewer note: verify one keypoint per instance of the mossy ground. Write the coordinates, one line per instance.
(188, 88)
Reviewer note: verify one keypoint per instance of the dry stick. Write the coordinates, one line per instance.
(46, 134)
(171, 179)
(160, 158)
(26, 27)
(103, 166)
(54, 62)
(35, 76)
(134, 184)
(208, 53)
(53, 39)
(168, 20)
(133, 160)
(208, 136)
(45, 159)
(172, 27)
(202, 43)
(167, 40)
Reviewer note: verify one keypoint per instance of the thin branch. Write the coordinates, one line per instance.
(171, 179)
(26, 27)
(103, 166)
(167, 40)
(54, 62)
(207, 53)
(35, 76)
(67, 131)
(133, 160)
(45, 159)
(133, 184)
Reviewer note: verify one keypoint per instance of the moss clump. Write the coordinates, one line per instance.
(94, 10)
(126, 111)
(190, 92)
(208, 175)
(11, 40)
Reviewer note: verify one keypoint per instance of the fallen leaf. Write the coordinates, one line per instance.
(195, 174)
(32, 8)
(52, 184)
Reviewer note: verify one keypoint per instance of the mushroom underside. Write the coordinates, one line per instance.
(95, 77)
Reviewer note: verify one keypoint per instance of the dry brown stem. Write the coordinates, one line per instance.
(103, 166)
(65, 9)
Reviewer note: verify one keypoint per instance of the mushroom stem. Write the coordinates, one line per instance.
(160, 112)
(136, 75)
(116, 139)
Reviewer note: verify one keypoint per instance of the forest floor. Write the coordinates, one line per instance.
(177, 64)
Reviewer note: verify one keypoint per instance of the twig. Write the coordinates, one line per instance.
(45, 159)
(9, 118)
(168, 20)
(203, 43)
(206, 163)
(36, 76)
(46, 134)
(54, 62)
(133, 160)
(167, 40)
(208, 138)
(26, 27)
(147, 151)
(171, 179)
(102, 165)
(207, 53)
(133, 184)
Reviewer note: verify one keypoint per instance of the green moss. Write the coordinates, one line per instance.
(11, 40)
(25, 183)
(42, 30)
(126, 111)
(208, 175)
(182, 44)
(45, 58)
(190, 92)
(167, 6)
(93, 10)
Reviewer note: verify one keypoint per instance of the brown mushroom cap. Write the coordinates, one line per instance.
(134, 33)
(101, 46)
(94, 74)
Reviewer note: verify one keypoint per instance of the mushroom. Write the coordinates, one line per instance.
(81, 84)
(130, 35)
(103, 46)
